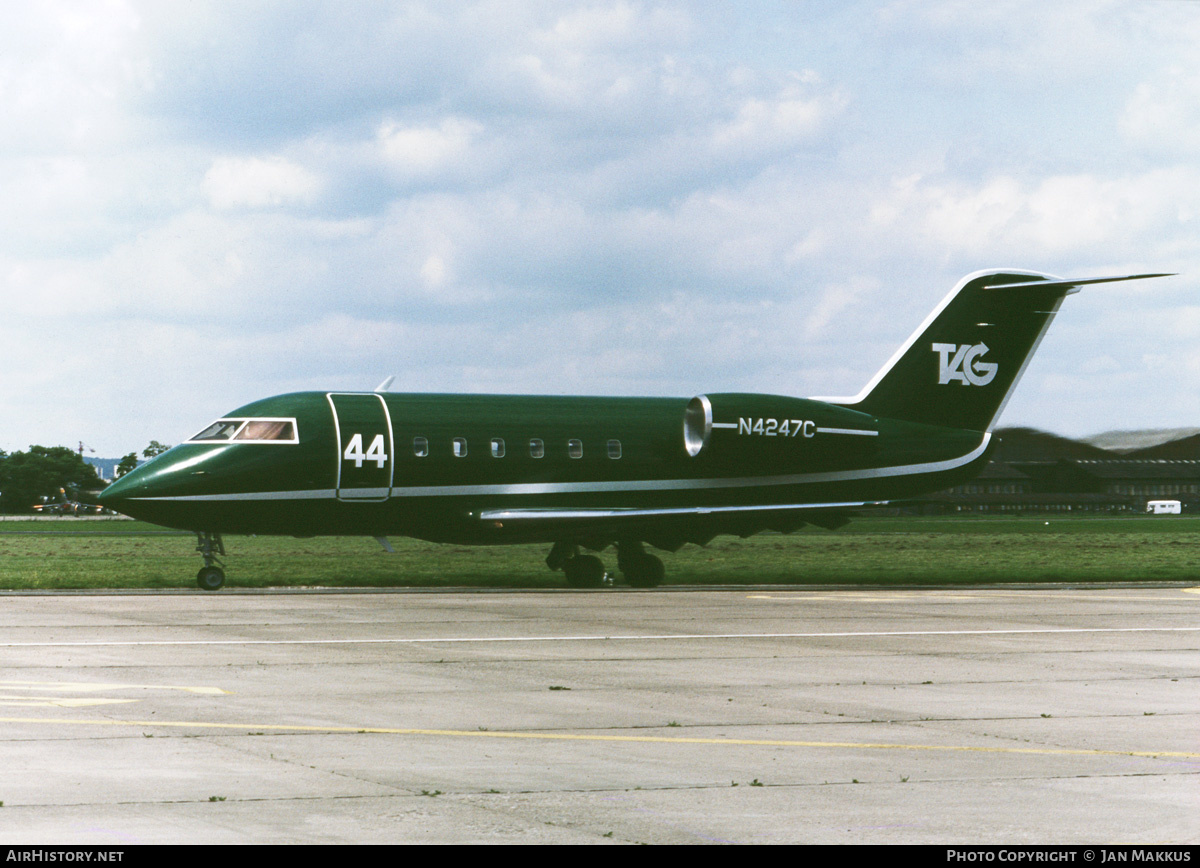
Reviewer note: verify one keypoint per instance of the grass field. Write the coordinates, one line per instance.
(71, 554)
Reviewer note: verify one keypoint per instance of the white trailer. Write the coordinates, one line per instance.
(1164, 507)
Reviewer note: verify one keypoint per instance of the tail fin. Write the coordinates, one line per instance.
(960, 367)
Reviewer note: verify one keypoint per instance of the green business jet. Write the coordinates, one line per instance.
(589, 472)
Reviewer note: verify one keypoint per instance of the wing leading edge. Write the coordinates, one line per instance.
(669, 528)
(551, 514)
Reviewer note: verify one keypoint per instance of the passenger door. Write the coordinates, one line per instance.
(365, 448)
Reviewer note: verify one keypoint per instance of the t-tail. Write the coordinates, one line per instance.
(960, 367)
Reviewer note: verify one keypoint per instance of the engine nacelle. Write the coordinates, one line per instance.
(785, 431)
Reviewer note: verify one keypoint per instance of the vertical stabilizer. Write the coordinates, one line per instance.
(960, 367)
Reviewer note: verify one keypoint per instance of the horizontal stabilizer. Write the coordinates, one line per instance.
(1067, 284)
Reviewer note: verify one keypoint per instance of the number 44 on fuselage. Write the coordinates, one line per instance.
(587, 473)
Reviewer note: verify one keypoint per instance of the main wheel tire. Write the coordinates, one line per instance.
(584, 571)
(644, 571)
(210, 578)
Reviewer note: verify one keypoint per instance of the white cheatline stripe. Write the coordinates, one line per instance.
(667, 637)
(691, 484)
(861, 432)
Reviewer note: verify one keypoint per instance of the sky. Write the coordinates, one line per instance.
(207, 203)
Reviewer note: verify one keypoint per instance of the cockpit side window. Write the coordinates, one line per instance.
(249, 431)
(220, 431)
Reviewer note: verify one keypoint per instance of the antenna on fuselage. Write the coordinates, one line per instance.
(383, 387)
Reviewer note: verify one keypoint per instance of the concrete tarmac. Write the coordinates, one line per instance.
(764, 715)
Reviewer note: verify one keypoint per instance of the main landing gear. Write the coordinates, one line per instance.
(582, 571)
(211, 577)
(639, 569)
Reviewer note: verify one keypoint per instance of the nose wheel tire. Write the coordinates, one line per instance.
(210, 578)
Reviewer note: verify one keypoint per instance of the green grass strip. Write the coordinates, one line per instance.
(73, 554)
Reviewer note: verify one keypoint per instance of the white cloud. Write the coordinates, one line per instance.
(1025, 40)
(67, 70)
(699, 197)
(599, 28)
(425, 151)
(593, 26)
(1054, 215)
(258, 182)
(1163, 114)
(764, 124)
(434, 271)
(832, 302)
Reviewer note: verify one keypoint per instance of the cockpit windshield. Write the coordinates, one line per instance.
(221, 430)
(249, 431)
(267, 429)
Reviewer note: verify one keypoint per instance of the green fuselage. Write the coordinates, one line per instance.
(488, 469)
(590, 472)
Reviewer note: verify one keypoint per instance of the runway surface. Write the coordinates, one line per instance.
(1042, 715)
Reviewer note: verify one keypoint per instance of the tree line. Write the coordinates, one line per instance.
(49, 473)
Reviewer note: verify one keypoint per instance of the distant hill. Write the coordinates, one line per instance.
(1184, 447)
(1030, 444)
(1137, 441)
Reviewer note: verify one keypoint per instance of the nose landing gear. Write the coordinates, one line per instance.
(211, 577)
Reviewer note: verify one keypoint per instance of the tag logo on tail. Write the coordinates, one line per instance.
(960, 363)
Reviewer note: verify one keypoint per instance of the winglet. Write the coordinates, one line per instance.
(383, 387)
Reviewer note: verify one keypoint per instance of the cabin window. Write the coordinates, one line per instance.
(575, 448)
(460, 447)
(497, 447)
(537, 448)
(421, 447)
(614, 449)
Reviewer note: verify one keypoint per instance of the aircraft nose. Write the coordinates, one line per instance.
(141, 492)
(120, 494)
(171, 474)
(171, 489)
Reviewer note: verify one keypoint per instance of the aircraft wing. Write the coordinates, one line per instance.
(668, 528)
(553, 514)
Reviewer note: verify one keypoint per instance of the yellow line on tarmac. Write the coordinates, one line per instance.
(594, 737)
(960, 595)
(59, 701)
(92, 687)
